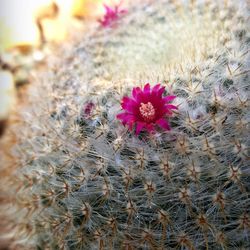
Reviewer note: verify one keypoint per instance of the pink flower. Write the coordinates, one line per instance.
(147, 109)
(111, 15)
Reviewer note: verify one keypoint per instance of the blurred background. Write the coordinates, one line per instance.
(29, 31)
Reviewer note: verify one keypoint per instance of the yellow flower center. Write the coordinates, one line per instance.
(147, 111)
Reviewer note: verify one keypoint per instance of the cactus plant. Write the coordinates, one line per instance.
(88, 182)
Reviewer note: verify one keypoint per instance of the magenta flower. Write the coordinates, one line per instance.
(111, 15)
(147, 109)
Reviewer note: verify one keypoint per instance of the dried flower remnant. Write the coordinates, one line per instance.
(111, 15)
(147, 109)
(88, 109)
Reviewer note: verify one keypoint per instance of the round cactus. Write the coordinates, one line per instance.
(89, 182)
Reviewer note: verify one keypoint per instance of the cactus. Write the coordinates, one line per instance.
(87, 182)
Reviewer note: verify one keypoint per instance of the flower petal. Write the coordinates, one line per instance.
(149, 127)
(110, 13)
(135, 92)
(126, 118)
(139, 127)
(170, 106)
(146, 88)
(155, 93)
(129, 104)
(156, 88)
(169, 98)
(160, 91)
(141, 96)
(163, 124)
(166, 111)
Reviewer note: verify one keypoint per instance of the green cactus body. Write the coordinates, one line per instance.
(89, 183)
